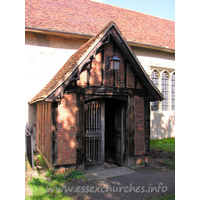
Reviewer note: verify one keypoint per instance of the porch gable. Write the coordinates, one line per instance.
(83, 61)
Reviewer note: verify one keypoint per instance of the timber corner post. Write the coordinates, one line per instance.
(80, 134)
(147, 126)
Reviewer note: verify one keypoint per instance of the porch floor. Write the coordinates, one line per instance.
(117, 171)
(110, 165)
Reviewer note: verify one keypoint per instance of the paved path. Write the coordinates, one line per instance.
(108, 173)
(142, 183)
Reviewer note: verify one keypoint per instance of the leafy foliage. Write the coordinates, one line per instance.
(57, 177)
(76, 174)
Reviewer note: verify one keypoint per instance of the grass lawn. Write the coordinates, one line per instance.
(40, 190)
(41, 186)
(165, 197)
(50, 189)
(167, 144)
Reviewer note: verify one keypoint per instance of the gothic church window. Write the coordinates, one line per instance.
(173, 91)
(165, 90)
(155, 78)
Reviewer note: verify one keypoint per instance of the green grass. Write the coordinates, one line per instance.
(40, 158)
(167, 144)
(74, 174)
(39, 188)
(165, 197)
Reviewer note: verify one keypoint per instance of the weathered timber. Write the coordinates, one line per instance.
(125, 73)
(94, 134)
(130, 122)
(133, 61)
(80, 124)
(147, 125)
(102, 67)
(61, 88)
(114, 91)
(103, 132)
(128, 55)
(54, 109)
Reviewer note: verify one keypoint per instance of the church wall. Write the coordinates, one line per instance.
(47, 54)
(162, 122)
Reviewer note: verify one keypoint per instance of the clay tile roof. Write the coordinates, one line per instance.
(63, 74)
(87, 17)
(75, 60)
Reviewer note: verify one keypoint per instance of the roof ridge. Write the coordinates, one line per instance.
(87, 17)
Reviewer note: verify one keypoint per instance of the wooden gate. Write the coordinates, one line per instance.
(94, 134)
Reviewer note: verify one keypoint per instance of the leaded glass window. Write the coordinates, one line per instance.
(154, 78)
(173, 91)
(165, 90)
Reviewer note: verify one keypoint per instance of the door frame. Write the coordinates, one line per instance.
(103, 111)
(121, 160)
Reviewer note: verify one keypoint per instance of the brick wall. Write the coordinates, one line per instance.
(139, 126)
(43, 129)
(119, 75)
(108, 75)
(95, 77)
(66, 123)
(95, 72)
(130, 78)
(83, 79)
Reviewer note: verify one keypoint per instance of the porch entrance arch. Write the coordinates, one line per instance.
(104, 133)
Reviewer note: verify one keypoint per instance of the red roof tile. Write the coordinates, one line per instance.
(87, 17)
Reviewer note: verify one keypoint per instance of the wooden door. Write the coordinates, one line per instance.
(119, 135)
(94, 134)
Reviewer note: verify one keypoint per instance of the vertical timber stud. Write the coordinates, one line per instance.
(80, 134)
(124, 132)
(113, 73)
(88, 73)
(54, 113)
(130, 121)
(103, 132)
(147, 126)
(125, 72)
(102, 66)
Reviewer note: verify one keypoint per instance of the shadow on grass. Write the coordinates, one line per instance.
(46, 189)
